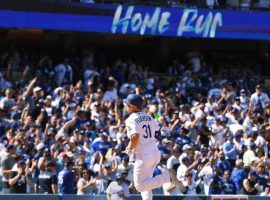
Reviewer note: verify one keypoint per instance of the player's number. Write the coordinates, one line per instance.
(147, 131)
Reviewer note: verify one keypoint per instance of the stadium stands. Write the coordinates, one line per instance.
(62, 118)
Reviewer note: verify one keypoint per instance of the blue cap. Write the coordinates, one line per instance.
(216, 167)
(237, 135)
(243, 91)
(21, 163)
(125, 158)
(106, 165)
(4, 139)
(9, 147)
(37, 156)
(20, 152)
(204, 149)
(26, 156)
(230, 134)
(253, 172)
(134, 99)
(119, 176)
(82, 151)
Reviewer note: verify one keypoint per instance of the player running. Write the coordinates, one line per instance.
(141, 129)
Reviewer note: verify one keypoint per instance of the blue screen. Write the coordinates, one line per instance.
(155, 21)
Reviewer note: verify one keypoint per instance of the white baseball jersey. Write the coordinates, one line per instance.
(146, 126)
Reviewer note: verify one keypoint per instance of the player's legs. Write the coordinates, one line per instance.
(143, 173)
(148, 195)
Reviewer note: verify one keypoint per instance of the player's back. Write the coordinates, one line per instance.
(146, 126)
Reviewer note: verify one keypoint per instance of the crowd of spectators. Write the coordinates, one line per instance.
(62, 127)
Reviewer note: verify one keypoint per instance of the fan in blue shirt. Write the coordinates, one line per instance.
(228, 186)
(66, 180)
(101, 145)
(239, 174)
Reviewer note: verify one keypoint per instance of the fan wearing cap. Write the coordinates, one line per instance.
(101, 144)
(111, 94)
(46, 181)
(48, 105)
(118, 189)
(244, 99)
(230, 150)
(239, 174)
(259, 99)
(215, 181)
(141, 129)
(7, 163)
(19, 179)
(250, 184)
(66, 179)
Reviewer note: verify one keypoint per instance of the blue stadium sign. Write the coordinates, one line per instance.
(159, 22)
(136, 20)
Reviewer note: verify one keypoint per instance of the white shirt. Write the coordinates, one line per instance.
(248, 157)
(231, 119)
(118, 192)
(89, 75)
(61, 71)
(215, 91)
(196, 62)
(210, 107)
(175, 191)
(260, 141)
(145, 126)
(124, 86)
(206, 172)
(84, 182)
(181, 171)
(7, 102)
(244, 101)
(263, 98)
(218, 130)
(110, 96)
(130, 169)
(171, 161)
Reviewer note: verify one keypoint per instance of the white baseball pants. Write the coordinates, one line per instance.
(143, 174)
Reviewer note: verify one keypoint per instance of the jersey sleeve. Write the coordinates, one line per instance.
(132, 128)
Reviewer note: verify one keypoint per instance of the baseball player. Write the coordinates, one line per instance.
(141, 129)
